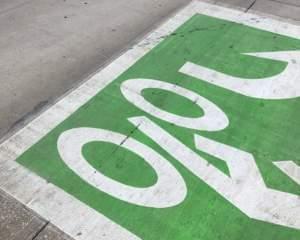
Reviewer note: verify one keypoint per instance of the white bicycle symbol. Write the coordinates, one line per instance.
(244, 188)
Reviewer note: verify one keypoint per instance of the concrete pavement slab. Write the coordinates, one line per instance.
(284, 9)
(55, 38)
(16, 221)
(50, 232)
(8, 5)
(289, 2)
(240, 4)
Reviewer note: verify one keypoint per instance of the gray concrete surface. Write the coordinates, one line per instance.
(287, 9)
(49, 46)
(50, 232)
(282, 8)
(17, 222)
(244, 5)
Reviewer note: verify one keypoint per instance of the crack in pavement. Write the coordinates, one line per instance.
(250, 6)
(40, 230)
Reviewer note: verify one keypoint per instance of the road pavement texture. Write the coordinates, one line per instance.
(50, 46)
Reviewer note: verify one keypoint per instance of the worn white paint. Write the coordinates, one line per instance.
(282, 86)
(214, 119)
(290, 168)
(168, 191)
(244, 188)
(66, 212)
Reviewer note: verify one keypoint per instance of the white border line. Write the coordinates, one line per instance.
(51, 202)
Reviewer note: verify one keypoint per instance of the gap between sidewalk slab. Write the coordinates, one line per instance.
(40, 230)
(250, 6)
(286, 3)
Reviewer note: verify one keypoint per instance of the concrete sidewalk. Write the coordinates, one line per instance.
(48, 47)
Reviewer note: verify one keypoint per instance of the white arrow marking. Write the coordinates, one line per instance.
(282, 86)
(289, 168)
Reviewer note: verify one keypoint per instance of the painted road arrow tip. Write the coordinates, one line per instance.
(290, 168)
(284, 85)
(291, 57)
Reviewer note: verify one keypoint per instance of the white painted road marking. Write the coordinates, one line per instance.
(289, 168)
(66, 212)
(168, 191)
(282, 86)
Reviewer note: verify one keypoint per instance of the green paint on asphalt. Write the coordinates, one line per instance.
(268, 129)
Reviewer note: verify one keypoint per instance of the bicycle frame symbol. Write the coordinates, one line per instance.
(244, 188)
